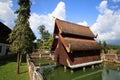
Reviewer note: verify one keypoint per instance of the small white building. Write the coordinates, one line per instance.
(3, 49)
(4, 34)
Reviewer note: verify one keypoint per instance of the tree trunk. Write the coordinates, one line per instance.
(20, 59)
(18, 63)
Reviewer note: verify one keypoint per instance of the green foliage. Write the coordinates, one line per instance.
(22, 37)
(104, 44)
(105, 47)
(115, 47)
(100, 43)
(118, 51)
(45, 41)
(111, 48)
(44, 33)
(39, 43)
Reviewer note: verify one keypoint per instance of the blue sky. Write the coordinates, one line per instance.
(102, 16)
(76, 10)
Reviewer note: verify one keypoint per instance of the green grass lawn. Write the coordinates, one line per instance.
(8, 70)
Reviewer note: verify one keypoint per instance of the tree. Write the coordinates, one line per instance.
(21, 37)
(104, 44)
(47, 43)
(100, 42)
(118, 51)
(44, 33)
(38, 43)
(105, 47)
(46, 37)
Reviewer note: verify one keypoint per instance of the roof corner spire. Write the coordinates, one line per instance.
(54, 18)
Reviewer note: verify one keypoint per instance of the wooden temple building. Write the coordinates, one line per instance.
(74, 45)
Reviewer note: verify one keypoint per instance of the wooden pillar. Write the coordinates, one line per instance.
(84, 69)
(100, 65)
(50, 55)
(40, 55)
(118, 68)
(72, 71)
(104, 65)
(55, 63)
(92, 66)
(65, 68)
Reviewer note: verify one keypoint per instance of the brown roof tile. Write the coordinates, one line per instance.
(75, 29)
(72, 43)
(81, 44)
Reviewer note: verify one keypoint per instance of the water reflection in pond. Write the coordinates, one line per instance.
(108, 72)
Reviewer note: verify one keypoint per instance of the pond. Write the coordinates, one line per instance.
(107, 72)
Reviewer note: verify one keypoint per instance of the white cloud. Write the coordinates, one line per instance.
(60, 11)
(47, 20)
(7, 16)
(116, 1)
(107, 24)
(102, 6)
(6, 13)
(83, 23)
(37, 20)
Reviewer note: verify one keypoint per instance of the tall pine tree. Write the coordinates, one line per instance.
(22, 37)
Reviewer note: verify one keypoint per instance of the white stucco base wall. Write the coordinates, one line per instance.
(3, 48)
(83, 64)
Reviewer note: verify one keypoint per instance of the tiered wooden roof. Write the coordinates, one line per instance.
(74, 29)
(74, 37)
(81, 44)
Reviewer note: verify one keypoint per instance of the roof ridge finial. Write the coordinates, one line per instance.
(96, 35)
(54, 18)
